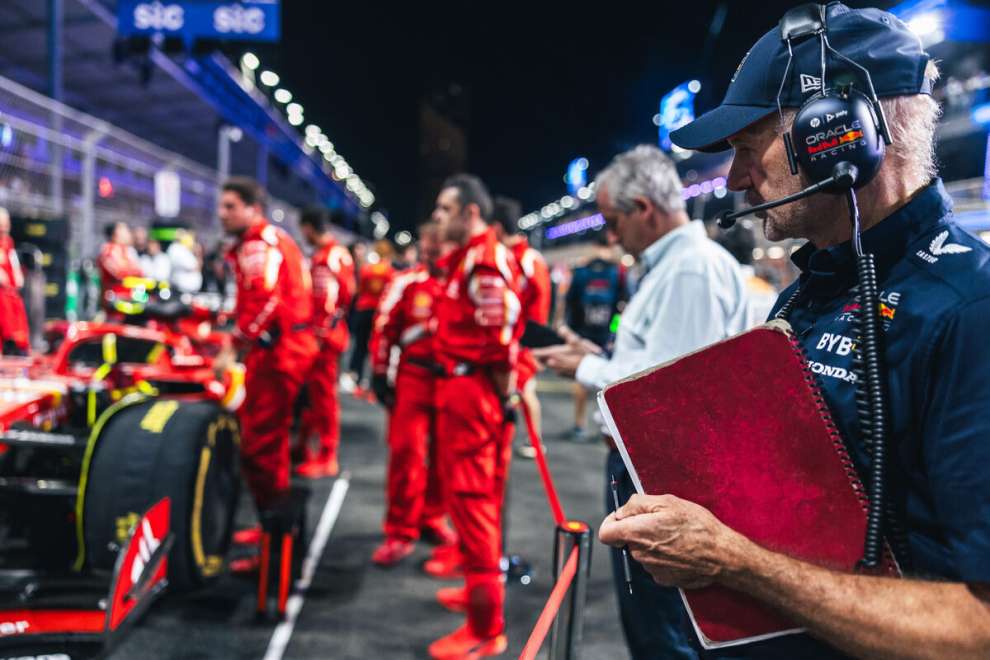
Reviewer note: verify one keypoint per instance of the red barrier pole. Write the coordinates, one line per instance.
(549, 613)
(568, 627)
(541, 463)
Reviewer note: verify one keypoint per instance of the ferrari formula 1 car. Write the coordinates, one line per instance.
(119, 473)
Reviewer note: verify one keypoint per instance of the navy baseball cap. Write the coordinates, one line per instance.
(875, 39)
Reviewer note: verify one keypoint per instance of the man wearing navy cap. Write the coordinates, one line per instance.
(935, 314)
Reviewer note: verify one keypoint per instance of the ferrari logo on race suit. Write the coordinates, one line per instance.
(422, 301)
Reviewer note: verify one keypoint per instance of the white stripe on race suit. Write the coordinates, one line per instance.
(469, 260)
(502, 262)
(394, 294)
(283, 632)
(512, 311)
(16, 267)
(262, 318)
(337, 258)
(528, 262)
(413, 333)
(273, 262)
(333, 293)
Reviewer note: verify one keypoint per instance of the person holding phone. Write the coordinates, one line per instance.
(691, 294)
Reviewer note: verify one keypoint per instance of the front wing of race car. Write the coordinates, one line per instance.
(69, 619)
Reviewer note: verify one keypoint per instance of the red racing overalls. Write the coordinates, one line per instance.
(332, 272)
(274, 303)
(405, 320)
(13, 318)
(479, 325)
(116, 262)
(372, 280)
(534, 294)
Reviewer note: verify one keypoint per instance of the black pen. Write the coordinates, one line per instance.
(625, 550)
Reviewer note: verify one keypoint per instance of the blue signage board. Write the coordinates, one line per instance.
(247, 20)
(593, 222)
(676, 110)
(577, 175)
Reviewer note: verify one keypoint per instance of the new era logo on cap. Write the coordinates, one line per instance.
(810, 83)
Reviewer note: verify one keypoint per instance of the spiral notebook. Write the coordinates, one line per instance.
(741, 428)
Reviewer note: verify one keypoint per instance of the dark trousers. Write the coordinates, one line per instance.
(361, 325)
(654, 620)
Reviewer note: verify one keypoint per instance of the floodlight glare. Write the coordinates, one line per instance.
(250, 61)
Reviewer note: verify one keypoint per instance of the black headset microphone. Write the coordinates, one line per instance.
(844, 177)
(841, 134)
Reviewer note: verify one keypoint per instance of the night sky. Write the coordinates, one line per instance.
(543, 89)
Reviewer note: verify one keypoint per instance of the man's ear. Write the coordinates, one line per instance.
(471, 209)
(644, 207)
(647, 210)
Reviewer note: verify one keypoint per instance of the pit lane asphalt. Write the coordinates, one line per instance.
(354, 609)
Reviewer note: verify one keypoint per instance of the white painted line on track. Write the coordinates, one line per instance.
(283, 632)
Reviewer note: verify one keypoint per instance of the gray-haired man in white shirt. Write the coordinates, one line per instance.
(691, 294)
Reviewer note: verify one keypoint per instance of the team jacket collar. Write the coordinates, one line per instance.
(483, 237)
(830, 271)
(252, 232)
(456, 258)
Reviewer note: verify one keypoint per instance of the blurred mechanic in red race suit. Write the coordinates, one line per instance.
(477, 343)
(535, 293)
(117, 261)
(273, 312)
(332, 271)
(14, 333)
(405, 322)
(373, 276)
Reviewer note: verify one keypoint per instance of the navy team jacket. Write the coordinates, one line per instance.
(935, 312)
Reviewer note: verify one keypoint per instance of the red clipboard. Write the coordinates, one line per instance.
(741, 428)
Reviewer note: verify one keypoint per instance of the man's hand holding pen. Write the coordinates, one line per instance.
(679, 543)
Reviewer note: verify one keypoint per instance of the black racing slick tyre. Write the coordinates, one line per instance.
(144, 450)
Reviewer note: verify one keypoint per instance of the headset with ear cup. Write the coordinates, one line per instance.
(838, 140)
(839, 123)
(839, 134)
(836, 126)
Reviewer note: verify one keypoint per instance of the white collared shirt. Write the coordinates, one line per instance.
(691, 295)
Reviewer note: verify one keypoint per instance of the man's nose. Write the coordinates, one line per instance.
(739, 178)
